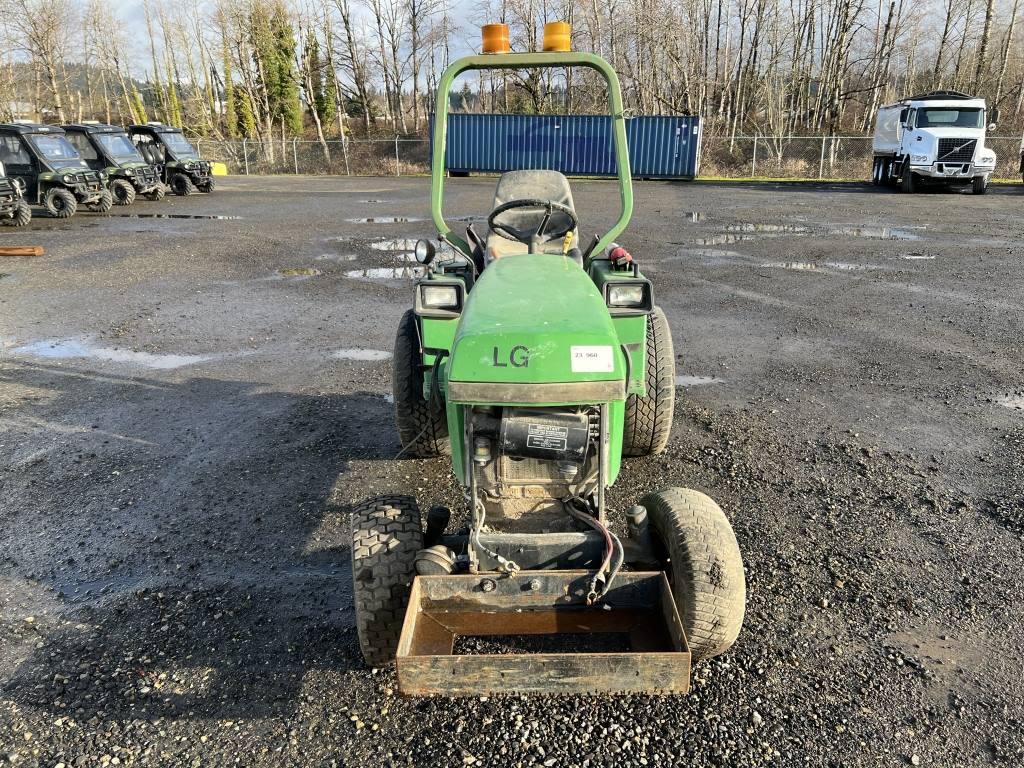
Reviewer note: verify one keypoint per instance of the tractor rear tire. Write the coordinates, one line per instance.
(157, 194)
(60, 203)
(648, 421)
(386, 535)
(21, 216)
(123, 192)
(182, 185)
(422, 423)
(702, 560)
(104, 204)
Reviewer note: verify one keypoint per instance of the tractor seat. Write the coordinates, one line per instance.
(527, 185)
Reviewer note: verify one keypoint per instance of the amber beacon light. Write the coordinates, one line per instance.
(557, 36)
(496, 38)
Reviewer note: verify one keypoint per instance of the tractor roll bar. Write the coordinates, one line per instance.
(529, 61)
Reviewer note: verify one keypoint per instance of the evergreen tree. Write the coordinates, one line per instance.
(245, 124)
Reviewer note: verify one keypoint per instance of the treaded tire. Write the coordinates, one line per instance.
(386, 535)
(22, 215)
(104, 204)
(182, 185)
(422, 425)
(60, 203)
(907, 182)
(703, 564)
(157, 194)
(979, 186)
(123, 192)
(648, 421)
(208, 187)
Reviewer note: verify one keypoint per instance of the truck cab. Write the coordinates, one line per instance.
(934, 138)
(107, 148)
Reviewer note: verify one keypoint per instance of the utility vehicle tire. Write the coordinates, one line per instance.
(207, 186)
(21, 216)
(979, 185)
(648, 421)
(694, 540)
(907, 181)
(60, 203)
(386, 535)
(157, 194)
(104, 204)
(422, 423)
(182, 185)
(123, 192)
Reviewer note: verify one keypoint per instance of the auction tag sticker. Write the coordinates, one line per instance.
(592, 359)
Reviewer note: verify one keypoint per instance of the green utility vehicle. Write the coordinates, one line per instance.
(107, 148)
(51, 171)
(14, 211)
(182, 168)
(538, 367)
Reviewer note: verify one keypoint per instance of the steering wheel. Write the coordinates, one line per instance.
(540, 235)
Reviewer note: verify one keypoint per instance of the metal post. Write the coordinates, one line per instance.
(295, 154)
(753, 163)
(821, 163)
(344, 152)
(245, 154)
(397, 171)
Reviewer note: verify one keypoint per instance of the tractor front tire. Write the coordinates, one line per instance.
(123, 192)
(422, 423)
(386, 535)
(21, 215)
(60, 203)
(104, 204)
(702, 560)
(648, 421)
(157, 194)
(182, 185)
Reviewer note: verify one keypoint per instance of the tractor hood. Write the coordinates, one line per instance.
(533, 322)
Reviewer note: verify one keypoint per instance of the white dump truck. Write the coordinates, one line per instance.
(935, 138)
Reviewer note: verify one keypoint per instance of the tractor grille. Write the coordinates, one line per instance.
(956, 150)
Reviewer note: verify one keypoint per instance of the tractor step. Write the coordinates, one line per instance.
(434, 657)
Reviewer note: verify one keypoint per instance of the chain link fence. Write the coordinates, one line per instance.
(791, 157)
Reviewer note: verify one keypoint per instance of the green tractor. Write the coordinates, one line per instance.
(538, 367)
(50, 170)
(107, 148)
(166, 147)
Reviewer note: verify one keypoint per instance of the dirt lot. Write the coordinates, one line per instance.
(189, 407)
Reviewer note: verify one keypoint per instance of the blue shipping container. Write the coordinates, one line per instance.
(576, 145)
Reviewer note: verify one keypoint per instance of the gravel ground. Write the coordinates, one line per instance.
(190, 406)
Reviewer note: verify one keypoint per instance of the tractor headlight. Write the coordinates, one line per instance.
(68, 178)
(629, 297)
(436, 298)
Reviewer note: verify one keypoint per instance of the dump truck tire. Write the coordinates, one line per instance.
(157, 194)
(60, 203)
(182, 185)
(648, 421)
(703, 564)
(123, 192)
(422, 424)
(21, 215)
(907, 181)
(104, 204)
(386, 535)
(979, 186)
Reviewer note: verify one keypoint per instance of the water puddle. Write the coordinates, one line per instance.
(875, 233)
(174, 216)
(61, 349)
(337, 257)
(374, 201)
(388, 397)
(383, 220)
(917, 257)
(299, 272)
(371, 355)
(813, 266)
(693, 216)
(396, 245)
(387, 273)
(697, 381)
(770, 229)
(1014, 400)
(725, 239)
(808, 266)
(847, 267)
